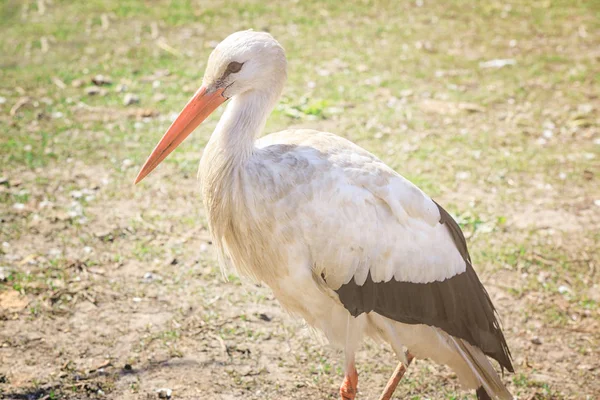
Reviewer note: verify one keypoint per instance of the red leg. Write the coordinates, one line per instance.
(350, 385)
(395, 378)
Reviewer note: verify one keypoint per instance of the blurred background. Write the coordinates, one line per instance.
(111, 291)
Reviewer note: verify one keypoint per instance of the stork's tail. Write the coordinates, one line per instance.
(491, 384)
(470, 364)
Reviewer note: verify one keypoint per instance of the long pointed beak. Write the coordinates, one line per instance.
(196, 110)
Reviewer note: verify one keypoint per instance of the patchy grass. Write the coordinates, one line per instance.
(105, 272)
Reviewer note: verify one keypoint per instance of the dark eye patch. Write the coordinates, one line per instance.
(234, 67)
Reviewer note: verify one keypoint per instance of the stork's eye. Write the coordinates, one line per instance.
(234, 67)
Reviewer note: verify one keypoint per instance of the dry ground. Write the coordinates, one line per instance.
(111, 291)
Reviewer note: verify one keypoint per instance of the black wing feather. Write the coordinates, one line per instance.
(459, 305)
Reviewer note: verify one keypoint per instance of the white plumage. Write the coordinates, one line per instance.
(311, 214)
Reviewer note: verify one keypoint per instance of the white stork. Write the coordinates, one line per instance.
(341, 238)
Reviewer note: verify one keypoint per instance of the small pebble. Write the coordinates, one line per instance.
(498, 63)
(536, 340)
(101, 80)
(130, 99)
(164, 393)
(585, 108)
(92, 90)
(54, 253)
(158, 97)
(148, 277)
(562, 289)
(265, 317)
(463, 175)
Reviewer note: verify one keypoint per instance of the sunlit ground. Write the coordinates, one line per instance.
(111, 291)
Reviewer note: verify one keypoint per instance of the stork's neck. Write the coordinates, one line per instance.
(241, 123)
(226, 154)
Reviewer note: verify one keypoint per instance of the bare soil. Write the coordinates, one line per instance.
(109, 291)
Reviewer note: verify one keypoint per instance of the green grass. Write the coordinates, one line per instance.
(402, 80)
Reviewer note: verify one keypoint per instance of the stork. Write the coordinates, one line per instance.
(341, 239)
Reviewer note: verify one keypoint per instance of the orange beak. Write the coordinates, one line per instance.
(196, 110)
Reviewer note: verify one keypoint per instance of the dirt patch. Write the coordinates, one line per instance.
(559, 220)
(11, 301)
(111, 291)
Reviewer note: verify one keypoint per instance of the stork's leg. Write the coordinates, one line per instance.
(395, 378)
(350, 384)
(354, 329)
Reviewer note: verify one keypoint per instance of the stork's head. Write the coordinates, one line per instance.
(243, 62)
